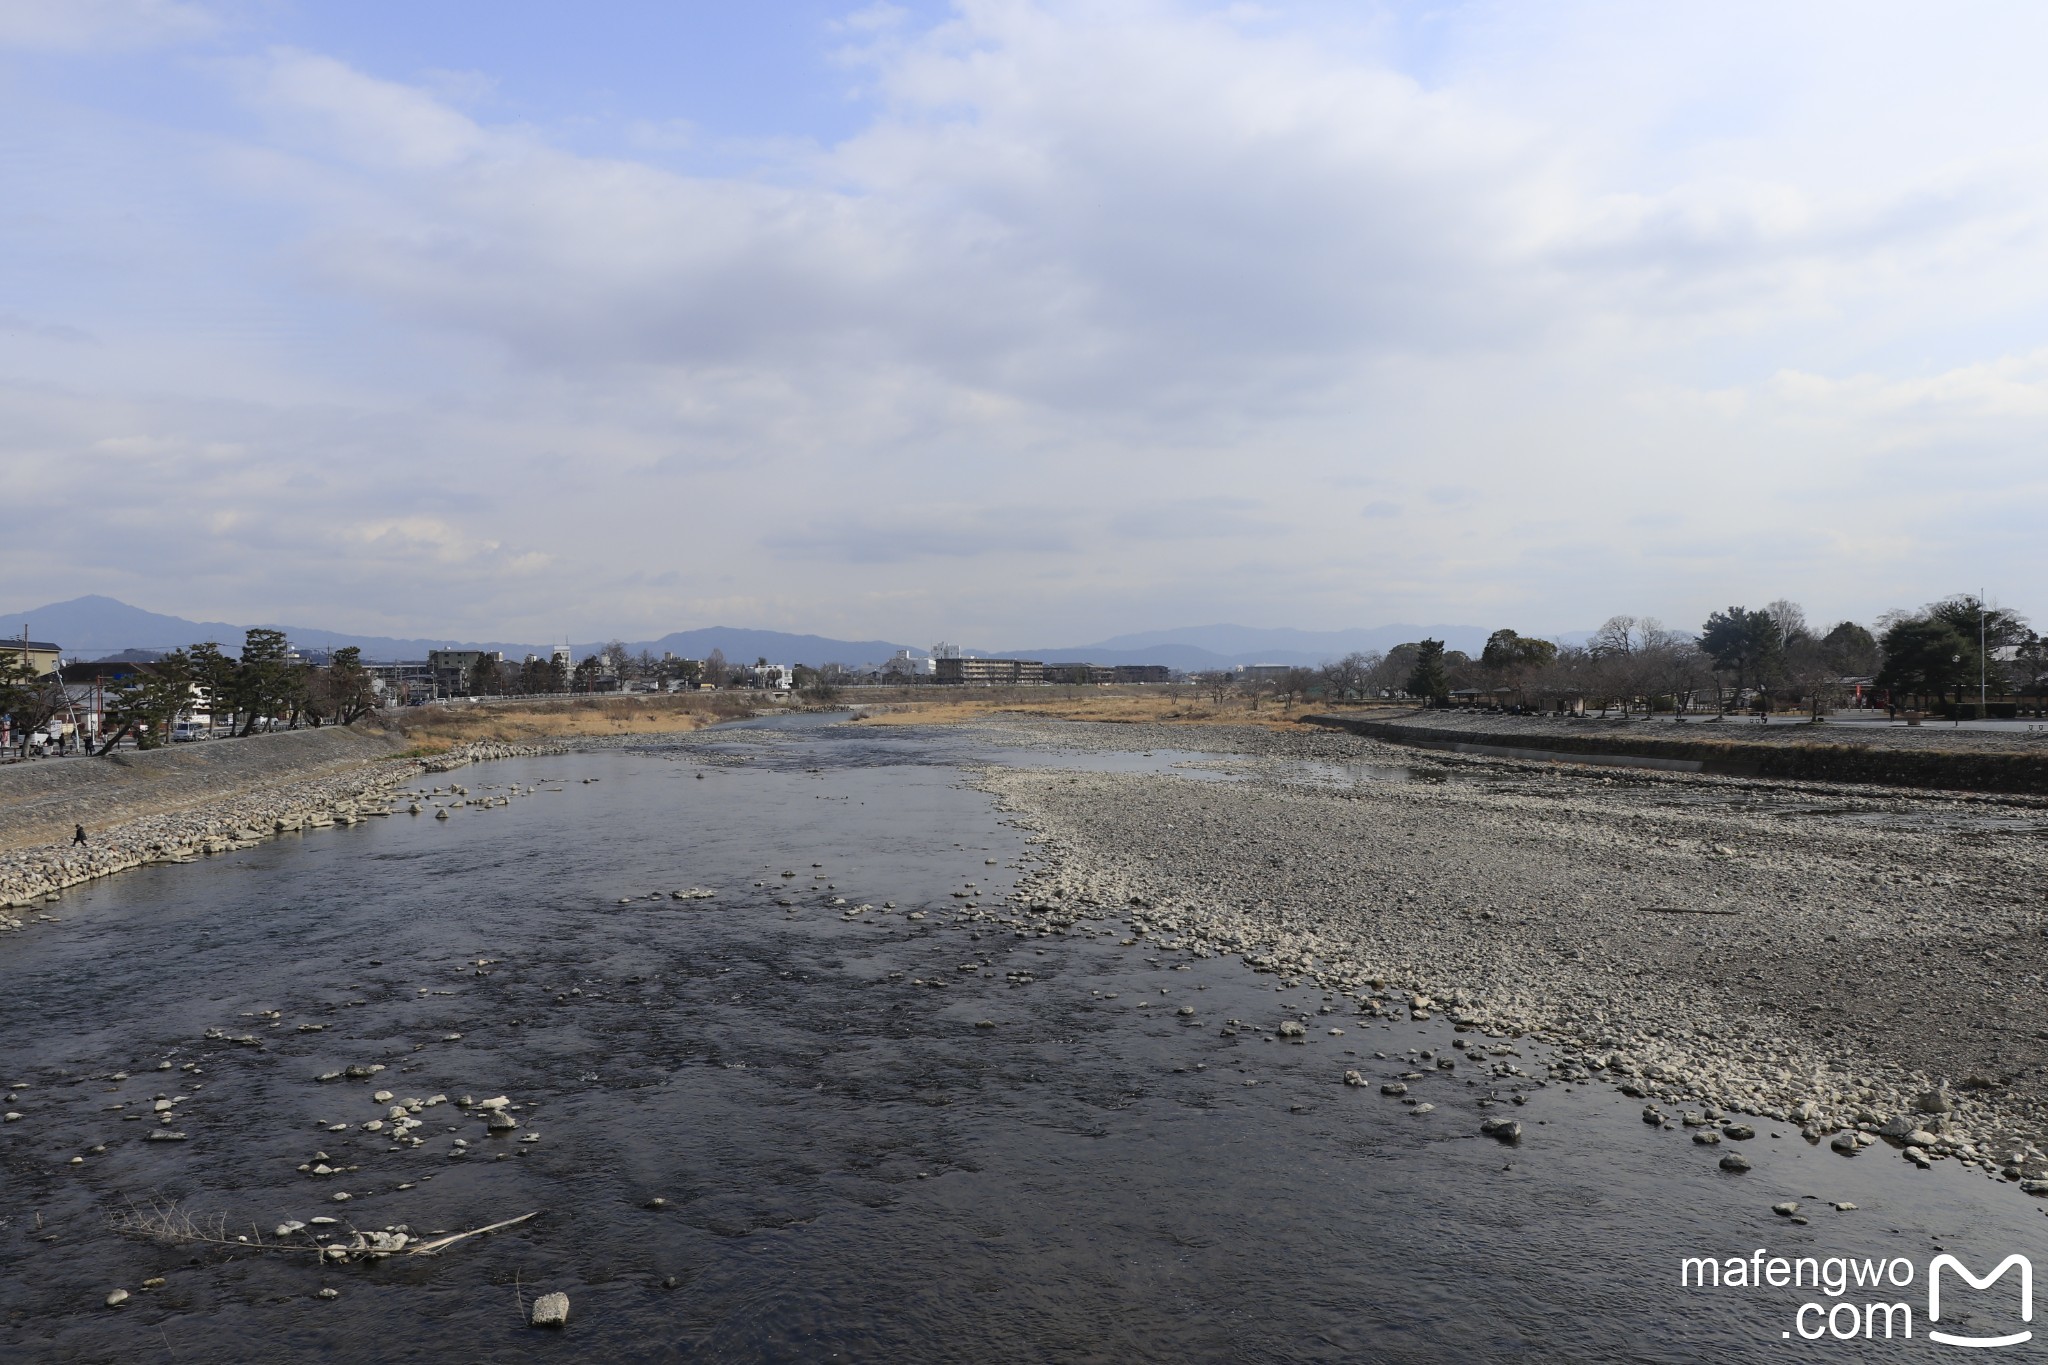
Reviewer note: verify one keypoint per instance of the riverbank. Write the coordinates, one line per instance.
(1937, 757)
(1867, 964)
(555, 720)
(173, 805)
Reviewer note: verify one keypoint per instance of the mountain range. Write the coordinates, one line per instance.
(95, 627)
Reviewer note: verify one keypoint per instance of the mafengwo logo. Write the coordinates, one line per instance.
(1881, 1311)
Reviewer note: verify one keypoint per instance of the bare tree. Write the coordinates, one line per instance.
(1350, 675)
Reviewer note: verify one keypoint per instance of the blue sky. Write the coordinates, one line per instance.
(1019, 319)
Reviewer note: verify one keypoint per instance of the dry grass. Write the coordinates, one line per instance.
(434, 729)
(1114, 706)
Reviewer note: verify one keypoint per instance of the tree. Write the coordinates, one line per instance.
(1790, 620)
(1746, 643)
(1998, 630)
(1924, 657)
(717, 671)
(1428, 679)
(1511, 659)
(1296, 683)
(1851, 650)
(263, 684)
(2029, 669)
(587, 674)
(1351, 675)
(1812, 674)
(343, 691)
(1395, 669)
(485, 677)
(215, 675)
(149, 704)
(27, 697)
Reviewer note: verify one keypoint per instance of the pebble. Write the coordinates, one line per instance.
(1371, 895)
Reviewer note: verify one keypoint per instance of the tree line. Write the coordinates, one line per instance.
(1765, 657)
(263, 687)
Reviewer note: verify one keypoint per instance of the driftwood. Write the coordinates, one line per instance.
(1687, 910)
(166, 1221)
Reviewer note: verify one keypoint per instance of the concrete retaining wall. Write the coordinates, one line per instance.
(1951, 770)
(41, 801)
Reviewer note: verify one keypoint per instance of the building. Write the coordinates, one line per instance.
(402, 683)
(41, 656)
(1107, 673)
(989, 672)
(775, 677)
(452, 669)
(1265, 672)
(905, 666)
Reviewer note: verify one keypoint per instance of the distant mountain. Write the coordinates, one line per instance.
(745, 646)
(1201, 648)
(97, 627)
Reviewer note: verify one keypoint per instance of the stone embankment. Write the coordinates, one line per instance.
(174, 805)
(1933, 756)
(1867, 968)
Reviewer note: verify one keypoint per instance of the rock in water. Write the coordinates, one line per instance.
(117, 1298)
(551, 1310)
(1291, 1029)
(1734, 1161)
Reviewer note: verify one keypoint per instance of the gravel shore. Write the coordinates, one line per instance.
(2015, 737)
(29, 876)
(1859, 962)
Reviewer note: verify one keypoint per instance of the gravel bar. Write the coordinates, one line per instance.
(1863, 963)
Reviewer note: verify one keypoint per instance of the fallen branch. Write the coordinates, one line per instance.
(166, 1221)
(434, 1247)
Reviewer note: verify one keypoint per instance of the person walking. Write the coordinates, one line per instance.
(78, 834)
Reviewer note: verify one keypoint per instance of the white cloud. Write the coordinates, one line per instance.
(1603, 309)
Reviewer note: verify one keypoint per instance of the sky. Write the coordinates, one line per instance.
(1019, 321)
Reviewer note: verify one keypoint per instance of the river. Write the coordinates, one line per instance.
(905, 1134)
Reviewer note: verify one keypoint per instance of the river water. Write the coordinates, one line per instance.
(876, 1138)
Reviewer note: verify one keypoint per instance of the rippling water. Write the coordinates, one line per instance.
(853, 1167)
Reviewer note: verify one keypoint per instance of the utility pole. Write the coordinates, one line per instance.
(1983, 663)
